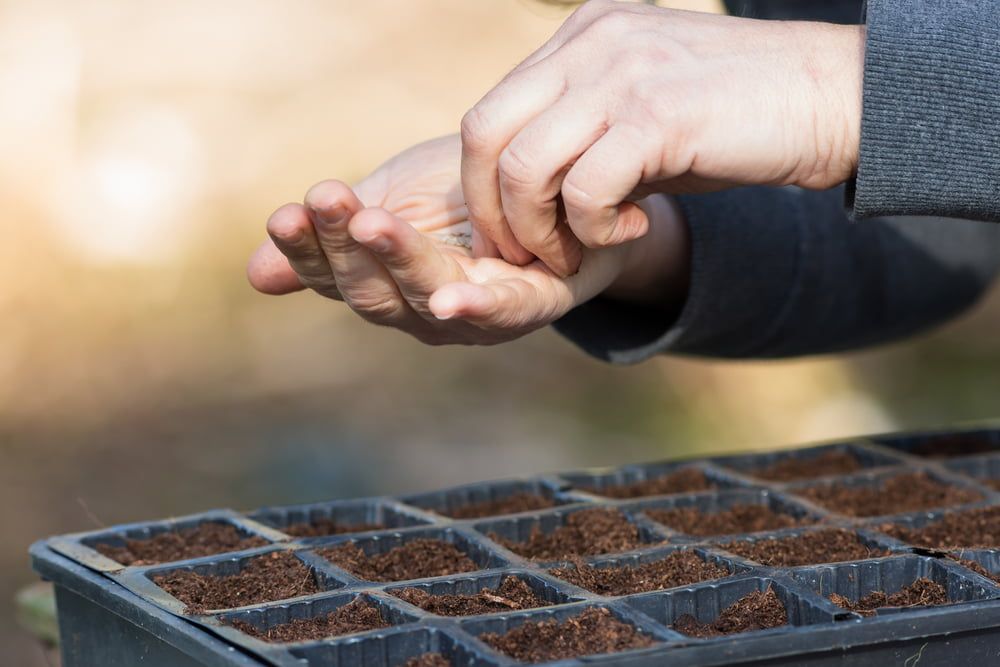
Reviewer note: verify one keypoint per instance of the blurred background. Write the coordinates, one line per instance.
(142, 146)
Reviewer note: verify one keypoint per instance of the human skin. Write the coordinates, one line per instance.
(628, 99)
(379, 248)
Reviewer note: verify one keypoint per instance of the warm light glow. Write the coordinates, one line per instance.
(131, 197)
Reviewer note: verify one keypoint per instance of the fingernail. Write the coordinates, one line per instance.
(378, 243)
(291, 237)
(331, 216)
(445, 316)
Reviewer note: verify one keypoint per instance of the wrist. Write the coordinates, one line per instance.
(656, 268)
(833, 67)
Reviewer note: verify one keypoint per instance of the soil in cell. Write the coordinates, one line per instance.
(517, 502)
(593, 631)
(322, 527)
(736, 519)
(921, 593)
(968, 529)
(680, 568)
(585, 533)
(205, 539)
(267, 578)
(833, 545)
(792, 468)
(910, 492)
(512, 594)
(756, 611)
(415, 559)
(685, 480)
(359, 615)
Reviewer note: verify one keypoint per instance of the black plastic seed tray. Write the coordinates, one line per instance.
(111, 614)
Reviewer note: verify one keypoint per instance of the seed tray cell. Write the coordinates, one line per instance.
(265, 617)
(889, 575)
(141, 580)
(918, 520)
(592, 484)
(520, 528)
(502, 624)
(446, 502)
(479, 551)
(712, 503)
(379, 513)
(553, 592)
(984, 470)
(943, 445)
(706, 601)
(734, 565)
(874, 480)
(81, 546)
(115, 614)
(749, 465)
(871, 539)
(986, 562)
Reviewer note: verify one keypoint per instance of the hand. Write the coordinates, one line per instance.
(397, 264)
(628, 99)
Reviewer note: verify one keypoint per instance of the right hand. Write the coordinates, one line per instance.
(628, 99)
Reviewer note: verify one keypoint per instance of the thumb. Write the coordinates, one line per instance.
(269, 272)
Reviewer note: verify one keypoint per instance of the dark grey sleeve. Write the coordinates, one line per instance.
(780, 272)
(930, 129)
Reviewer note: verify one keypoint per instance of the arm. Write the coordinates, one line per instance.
(779, 272)
(930, 143)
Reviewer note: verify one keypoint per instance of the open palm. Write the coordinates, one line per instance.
(395, 249)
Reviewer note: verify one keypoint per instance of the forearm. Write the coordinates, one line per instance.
(781, 272)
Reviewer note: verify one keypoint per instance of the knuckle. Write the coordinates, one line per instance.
(584, 214)
(577, 196)
(310, 257)
(540, 239)
(337, 244)
(375, 307)
(613, 19)
(475, 131)
(638, 66)
(317, 283)
(516, 172)
(599, 236)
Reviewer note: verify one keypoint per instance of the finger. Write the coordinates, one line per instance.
(270, 273)
(483, 246)
(511, 304)
(531, 171)
(486, 130)
(417, 265)
(599, 182)
(292, 233)
(364, 283)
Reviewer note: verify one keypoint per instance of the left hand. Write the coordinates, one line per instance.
(628, 99)
(393, 265)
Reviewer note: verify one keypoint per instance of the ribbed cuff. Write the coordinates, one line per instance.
(930, 132)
